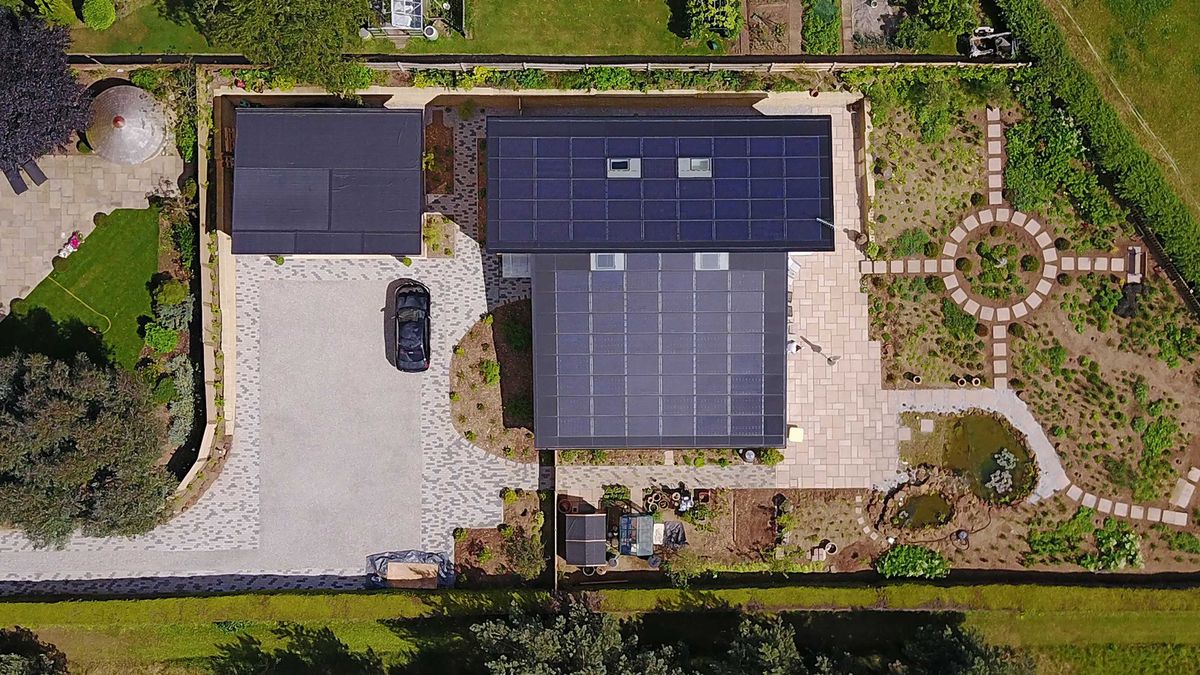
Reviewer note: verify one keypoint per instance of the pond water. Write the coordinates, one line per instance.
(921, 511)
(974, 446)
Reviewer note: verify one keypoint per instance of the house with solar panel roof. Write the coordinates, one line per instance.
(658, 252)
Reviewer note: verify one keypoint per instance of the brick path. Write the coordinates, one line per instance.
(35, 225)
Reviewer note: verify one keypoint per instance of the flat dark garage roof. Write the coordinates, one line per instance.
(660, 354)
(707, 183)
(329, 180)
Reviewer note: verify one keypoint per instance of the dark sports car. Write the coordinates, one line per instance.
(412, 326)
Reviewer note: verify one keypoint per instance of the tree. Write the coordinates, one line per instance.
(303, 40)
(79, 445)
(765, 645)
(22, 653)
(99, 14)
(305, 651)
(955, 651)
(40, 101)
(578, 640)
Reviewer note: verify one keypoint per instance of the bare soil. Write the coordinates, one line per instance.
(480, 552)
(439, 146)
(496, 417)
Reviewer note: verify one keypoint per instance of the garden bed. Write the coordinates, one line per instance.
(437, 234)
(506, 555)
(611, 457)
(438, 158)
(491, 383)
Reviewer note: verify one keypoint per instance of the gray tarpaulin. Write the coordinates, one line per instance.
(377, 566)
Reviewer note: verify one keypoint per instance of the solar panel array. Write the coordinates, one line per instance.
(549, 190)
(331, 180)
(660, 355)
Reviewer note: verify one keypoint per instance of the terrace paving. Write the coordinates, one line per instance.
(35, 225)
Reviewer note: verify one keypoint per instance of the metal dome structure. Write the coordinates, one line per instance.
(128, 125)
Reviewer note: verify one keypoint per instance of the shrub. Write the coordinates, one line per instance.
(958, 323)
(518, 334)
(490, 371)
(460, 533)
(99, 14)
(175, 317)
(964, 265)
(911, 561)
(160, 338)
(525, 556)
(171, 292)
(821, 32)
(509, 495)
(615, 494)
(1029, 263)
(722, 17)
(913, 33)
(505, 530)
(954, 16)
(183, 407)
(770, 456)
(1117, 547)
(910, 242)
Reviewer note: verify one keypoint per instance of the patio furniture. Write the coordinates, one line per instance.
(15, 180)
(34, 172)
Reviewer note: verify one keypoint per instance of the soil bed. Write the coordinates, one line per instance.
(439, 155)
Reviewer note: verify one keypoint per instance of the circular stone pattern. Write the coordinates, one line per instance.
(1016, 291)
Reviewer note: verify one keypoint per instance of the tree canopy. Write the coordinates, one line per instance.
(79, 445)
(40, 101)
(303, 40)
(22, 653)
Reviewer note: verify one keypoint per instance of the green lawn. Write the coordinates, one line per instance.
(110, 273)
(1071, 629)
(145, 31)
(1154, 60)
(564, 27)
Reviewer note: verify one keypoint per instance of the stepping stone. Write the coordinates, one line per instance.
(1044, 240)
(1194, 474)
(1000, 383)
(1154, 514)
(874, 536)
(1074, 493)
(1118, 264)
(994, 164)
(926, 426)
(1137, 512)
(1101, 264)
(999, 332)
(1105, 506)
(1089, 500)
(1181, 496)
(951, 282)
(897, 266)
(1068, 264)
(1019, 310)
(1085, 264)
(865, 266)
(1050, 272)
(1032, 227)
(1034, 301)
(1019, 218)
(862, 521)
(1000, 367)
(987, 313)
(958, 234)
(986, 216)
(1003, 314)
(971, 307)
(1044, 286)
(970, 222)
(947, 266)
(994, 131)
(930, 266)
(880, 266)
(1121, 509)
(914, 266)
(949, 249)
(995, 181)
(1000, 349)
(866, 530)
(995, 197)
(1049, 255)
(1178, 518)
(959, 296)
(993, 114)
(857, 499)
(1003, 215)
(994, 148)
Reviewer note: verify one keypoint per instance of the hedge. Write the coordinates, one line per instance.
(1135, 176)
(607, 78)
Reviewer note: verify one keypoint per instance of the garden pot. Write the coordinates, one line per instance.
(975, 381)
(916, 379)
(587, 571)
(564, 505)
(962, 381)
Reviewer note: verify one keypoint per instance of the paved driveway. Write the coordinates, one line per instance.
(341, 437)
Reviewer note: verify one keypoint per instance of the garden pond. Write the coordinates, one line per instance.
(993, 457)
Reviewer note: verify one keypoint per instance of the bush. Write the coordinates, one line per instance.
(1029, 263)
(911, 561)
(722, 17)
(171, 292)
(518, 333)
(459, 534)
(953, 16)
(509, 495)
(770, 456)
(160, 338)
(913, 33)
(99, 14)
(910, 242)
(525, 556)
(821, 32)
(183, 407)
(615, 494)
(490, 371)
(958, 323)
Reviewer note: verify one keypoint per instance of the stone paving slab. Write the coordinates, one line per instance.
(35, 225)
(1181, 496)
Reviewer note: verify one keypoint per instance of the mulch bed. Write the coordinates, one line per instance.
(439, 141)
